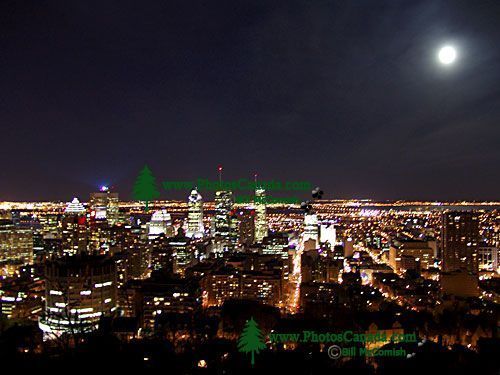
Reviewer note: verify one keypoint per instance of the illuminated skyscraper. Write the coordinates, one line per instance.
(260, 215)
(98, 237)
(16, 246)
(104, 205)
(311, 227)
(161, 254)
(246, 226)
(459, 241)
(138, 252)
(459, 250)
(195, 215)
(50, 225)
(74, 228)
(161, 223)
(223, 207)
(182, 252)
(224, 225)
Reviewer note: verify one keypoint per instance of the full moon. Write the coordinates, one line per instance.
(447, 55)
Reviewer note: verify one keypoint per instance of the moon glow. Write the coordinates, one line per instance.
(447, 55)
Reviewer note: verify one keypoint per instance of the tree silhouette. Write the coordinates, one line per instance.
(251, 340)
(145, 186)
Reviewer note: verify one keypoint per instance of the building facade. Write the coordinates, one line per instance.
(195, 226)
(79, 290)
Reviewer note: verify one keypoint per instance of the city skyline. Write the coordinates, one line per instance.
(130, 271)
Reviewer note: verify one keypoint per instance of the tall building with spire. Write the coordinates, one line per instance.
(195, 215)
(260, 214)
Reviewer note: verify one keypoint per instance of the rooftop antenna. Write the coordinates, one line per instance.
(219, 168)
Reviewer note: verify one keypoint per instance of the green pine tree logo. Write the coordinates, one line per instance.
(145, 186)
(251, 339)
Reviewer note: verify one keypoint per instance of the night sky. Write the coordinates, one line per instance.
(346, 94)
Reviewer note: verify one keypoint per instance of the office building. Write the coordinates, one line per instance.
(161, 223)
(74, 231)
(80, 290)
(104, 206)
(420, 251)
(459, 251)
(311, 229)
(195, 226)
(16, 247)
(260, 215)
(459, 241)
(182, 252)
(246, 226)
(225, 231)
(276, 244)
(229, 283)
(138, 252)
